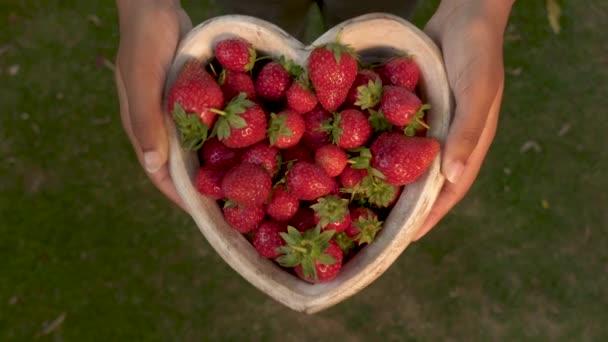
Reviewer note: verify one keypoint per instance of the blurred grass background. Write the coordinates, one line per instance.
(89, 245)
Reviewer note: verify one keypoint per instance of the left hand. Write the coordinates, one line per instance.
(470, 36)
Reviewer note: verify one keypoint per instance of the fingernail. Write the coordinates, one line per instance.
(152, 161)
(453, 171)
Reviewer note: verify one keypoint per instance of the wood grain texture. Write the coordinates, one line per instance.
(375, 36)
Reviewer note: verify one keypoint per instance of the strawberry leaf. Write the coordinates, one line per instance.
(369, 96)
(288, 260)
(417, 123)
(221, 129)
(292, 67)
(252, 59)
(308, 266)
(330, 209)
(378, 192)
(368, 228)
(193, 132)
(326, 259)
(278, 127)
(344, 242)
(378, 121)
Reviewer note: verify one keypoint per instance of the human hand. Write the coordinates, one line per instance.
(149, 34)
(470, 36)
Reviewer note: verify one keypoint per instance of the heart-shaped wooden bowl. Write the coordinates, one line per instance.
(375, 37)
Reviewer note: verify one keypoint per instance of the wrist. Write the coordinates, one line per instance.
(489, 13)
(127, 8)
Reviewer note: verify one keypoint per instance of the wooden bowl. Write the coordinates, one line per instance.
(375, 37)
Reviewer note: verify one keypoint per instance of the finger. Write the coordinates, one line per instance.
(144, 72)
(452, 193)
(161, 178)
(475, 80)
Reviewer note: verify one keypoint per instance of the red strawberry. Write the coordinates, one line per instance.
(267, 239)
(190, 101)
(264, 155)
(247, 185)
(350, 177)
(242, 123)
(400, 106)
(303, 220)
(235, 54)
(300, 98)
(332, 159)
(331, 213)
(208, 180)
(402, 159)
(214, 153)
(296, 153)
(315, 136)
(364, 226)
(325, 272)
(362, 79)
(333, 69)
(349, 129)
(282, 205)
(243, 219)
(233, 83)
(402, 72)
(308, 181)
(313, 254)
(285, 129)
(275, 78)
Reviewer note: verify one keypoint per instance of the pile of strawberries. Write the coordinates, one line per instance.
(306, 162)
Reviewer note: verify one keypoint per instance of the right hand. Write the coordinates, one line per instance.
(149, 34)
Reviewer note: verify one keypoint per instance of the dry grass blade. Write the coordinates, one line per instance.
(554, 12)
(52, 326)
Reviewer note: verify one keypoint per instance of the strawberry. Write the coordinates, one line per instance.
(333, 69)
(264, 155)
(378, 121)
(282, 205)
(364, 226)
(208, 180)
(345, 243)
(308, 181)
(243, 219)
(331, 212)
(401, 71)
(247, 185)
(368, 186)
(303, 220)
(402, 159)
(235, 54)
(362, 79)
(296, 153)
(351, 177)
(233, 83)
(242, 123)
(400, 106)
(216, 154)
(267, 239)
(285, 129)
(300, 98)
(190, 100)
(332, 159)
(275, 78)
(315, 136)
(349, 128)
(313, 254)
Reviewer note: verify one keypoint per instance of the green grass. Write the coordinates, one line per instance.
(82, 231)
